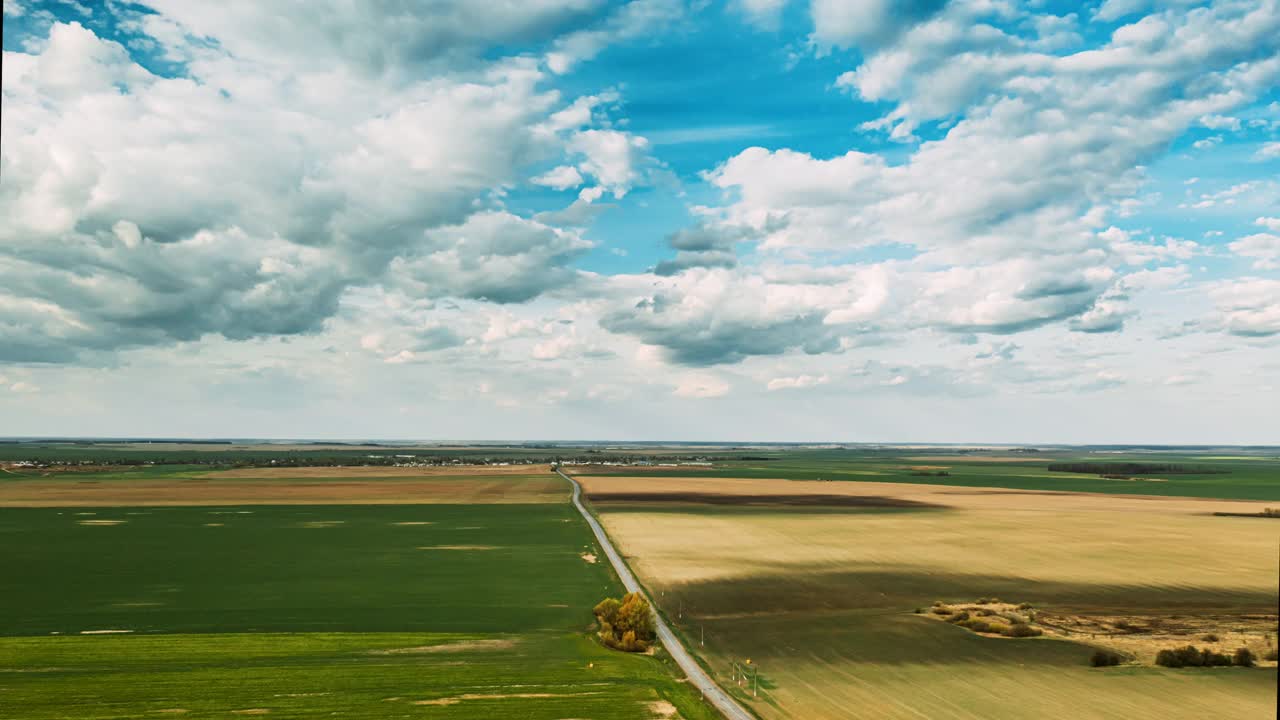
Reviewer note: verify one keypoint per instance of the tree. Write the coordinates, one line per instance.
(626, 624)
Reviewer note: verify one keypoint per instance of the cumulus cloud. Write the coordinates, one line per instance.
(1263, 248)
(711, 316)
(846, 23)
(612, 158)
(637, 18)
(560, 178)
(377, 36)
(999, 247)
(492, 256)
(703, 245)
(1249, 307)
(143, 209)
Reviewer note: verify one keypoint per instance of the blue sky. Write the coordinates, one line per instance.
(868, 221)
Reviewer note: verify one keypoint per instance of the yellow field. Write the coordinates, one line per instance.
(821, 598)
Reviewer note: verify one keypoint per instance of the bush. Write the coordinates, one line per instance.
(1190, 656)
(1210, 638)
(1215, 659)
(1025, 606)
(998, 627)
(1243, 658)
(959, 617)
(976, 625)
(1105, 658)
(1019, 630)
(1272, 655)
(939, 610)
(1129, 628)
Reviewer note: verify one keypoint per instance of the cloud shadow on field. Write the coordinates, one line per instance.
(821, 589)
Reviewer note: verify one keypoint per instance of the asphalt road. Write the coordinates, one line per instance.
(710, 690)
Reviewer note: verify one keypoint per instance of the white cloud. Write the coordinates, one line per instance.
(844, 23)
(1112, 10)
(1220, 122)
(1270, 223)
(492, 255)
(378, 37)
(797, 382)
(1248, 307)
(117, 181)
(560, 178)
(612, 158)
(762, 13)
(700, 385)
(1268, 151)
(637, 18)
(1264, 248)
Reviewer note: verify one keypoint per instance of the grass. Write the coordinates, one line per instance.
(545, 675)
(822, 601)
(287, 609)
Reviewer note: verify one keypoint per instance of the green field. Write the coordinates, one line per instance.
(295, 568)
(311, 675)
(1244, 478)
(291, 609)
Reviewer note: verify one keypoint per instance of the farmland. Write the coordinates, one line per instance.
(1253, 476)
(158, 591)
(211, 581)
(822, 597)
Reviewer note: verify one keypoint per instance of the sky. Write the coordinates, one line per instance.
(755, 220)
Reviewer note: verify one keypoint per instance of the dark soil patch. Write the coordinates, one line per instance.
(799, 500)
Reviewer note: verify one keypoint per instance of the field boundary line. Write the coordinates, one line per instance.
(719, 699)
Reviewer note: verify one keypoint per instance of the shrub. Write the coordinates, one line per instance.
(1025, 606)
(976, 625)
(1105, 658)
(919, 610)
(998, 627)
(1019, 630)
(1214, 659)
(939, 610)
(1129, 628)
(959, 617)
(1190, 656)
(1210, 637)
(986, 612)
(1243, 658)
(1272, 655)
